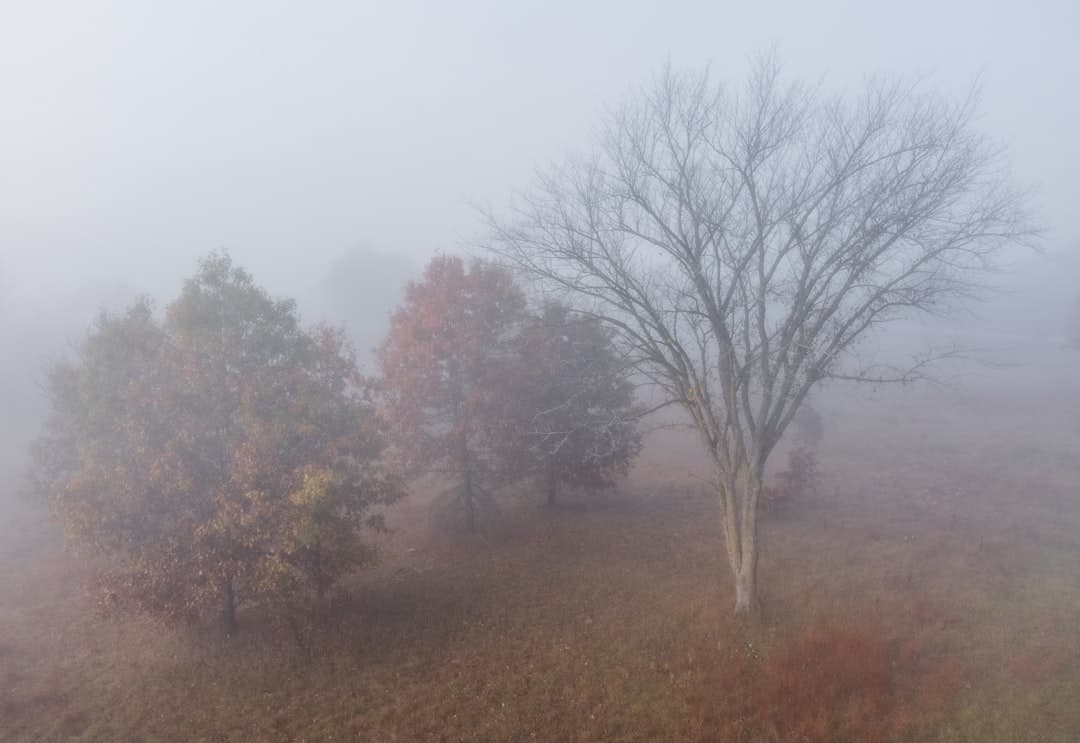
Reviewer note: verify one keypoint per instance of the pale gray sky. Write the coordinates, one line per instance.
(137, 136)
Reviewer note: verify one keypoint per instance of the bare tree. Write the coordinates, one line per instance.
(742, 244)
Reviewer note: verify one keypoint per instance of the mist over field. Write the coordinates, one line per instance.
(682, 371)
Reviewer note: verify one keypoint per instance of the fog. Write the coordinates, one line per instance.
(136, 138)
(332, 149)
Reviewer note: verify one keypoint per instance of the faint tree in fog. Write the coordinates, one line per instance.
(740, 244)
(360, 291)
(1072, 332)
(221, 455)
(574, 417)
(449, 346)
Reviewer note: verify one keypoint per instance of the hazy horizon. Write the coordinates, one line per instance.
(137, 138)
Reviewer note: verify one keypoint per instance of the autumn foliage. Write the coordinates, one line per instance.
(443, 364)
(483, 391)
(220, 455)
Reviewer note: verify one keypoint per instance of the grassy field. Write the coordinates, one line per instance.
(928, 590)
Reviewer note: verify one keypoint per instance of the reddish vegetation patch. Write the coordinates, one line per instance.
(836, 680)
(833, 680)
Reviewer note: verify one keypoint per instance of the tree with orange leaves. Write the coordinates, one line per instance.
(443, 364)
(219, 455)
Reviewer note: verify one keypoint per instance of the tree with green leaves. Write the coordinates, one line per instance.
(218, 455)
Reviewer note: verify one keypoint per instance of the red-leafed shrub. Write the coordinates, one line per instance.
(832, 681)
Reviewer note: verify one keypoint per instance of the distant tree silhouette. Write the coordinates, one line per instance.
(1072, 332)
(360, 290)
(574, 417)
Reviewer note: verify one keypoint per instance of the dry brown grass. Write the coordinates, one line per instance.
(927, 591)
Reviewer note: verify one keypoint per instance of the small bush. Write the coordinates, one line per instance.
(797, 480)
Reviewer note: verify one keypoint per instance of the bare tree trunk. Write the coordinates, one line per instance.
(746, 601)
(738, 517)
(552, 485)
(228, 607)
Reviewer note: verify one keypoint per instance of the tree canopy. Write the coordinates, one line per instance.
(483, 390)
(450, 345)
(217, 455)
(574, 415)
